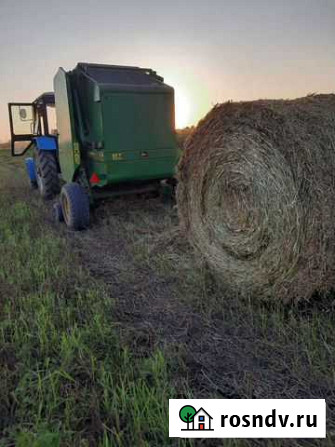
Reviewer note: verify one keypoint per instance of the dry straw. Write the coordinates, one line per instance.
(256, 195)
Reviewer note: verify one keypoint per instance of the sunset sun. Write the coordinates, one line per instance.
(183, 110)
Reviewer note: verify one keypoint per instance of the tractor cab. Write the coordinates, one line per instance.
(29, 121)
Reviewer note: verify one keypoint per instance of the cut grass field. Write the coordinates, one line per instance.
(100, 328)
(65, 378)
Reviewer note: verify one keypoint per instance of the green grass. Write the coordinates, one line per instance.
(65, 378)
(73, 374)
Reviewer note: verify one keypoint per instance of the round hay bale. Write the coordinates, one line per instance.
(256, 195)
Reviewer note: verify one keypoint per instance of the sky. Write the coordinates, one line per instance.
(210, 51)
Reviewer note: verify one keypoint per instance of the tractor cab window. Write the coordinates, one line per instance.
(29, 120)
(22, 126)
(51, 115)
(23, 119)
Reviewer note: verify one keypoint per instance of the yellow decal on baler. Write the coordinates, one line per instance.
(117, 156)
(76, 154)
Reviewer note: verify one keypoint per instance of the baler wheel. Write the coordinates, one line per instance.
(75, 206)
(47, 174)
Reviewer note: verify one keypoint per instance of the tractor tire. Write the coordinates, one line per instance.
(76, 206)
(47, 174)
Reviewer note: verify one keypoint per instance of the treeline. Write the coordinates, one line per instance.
(5, 145)
(182, 135)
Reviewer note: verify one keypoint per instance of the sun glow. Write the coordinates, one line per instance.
(191, 100)
(183, 110)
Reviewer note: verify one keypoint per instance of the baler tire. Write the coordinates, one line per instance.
(76, 206)
(47, 174)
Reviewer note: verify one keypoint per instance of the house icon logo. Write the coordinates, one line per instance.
(195, 420)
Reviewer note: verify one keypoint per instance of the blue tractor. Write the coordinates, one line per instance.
(31, 128)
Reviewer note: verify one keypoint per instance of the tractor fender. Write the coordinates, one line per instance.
(46, 143)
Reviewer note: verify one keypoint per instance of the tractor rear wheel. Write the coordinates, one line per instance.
(75, 206)
(47, 174)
